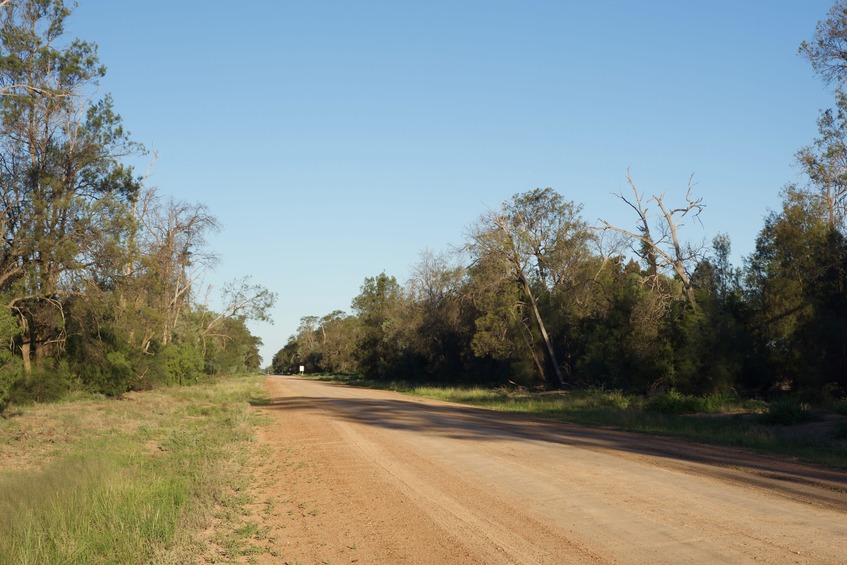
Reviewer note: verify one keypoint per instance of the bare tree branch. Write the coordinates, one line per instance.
(666, 251)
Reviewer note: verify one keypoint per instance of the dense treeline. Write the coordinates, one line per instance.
(539, 297)
(98, 272)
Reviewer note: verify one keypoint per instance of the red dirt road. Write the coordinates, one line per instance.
(365, 476)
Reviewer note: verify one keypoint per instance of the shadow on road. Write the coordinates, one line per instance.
(480, 424)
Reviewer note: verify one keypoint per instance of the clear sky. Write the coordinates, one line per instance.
(335, 140)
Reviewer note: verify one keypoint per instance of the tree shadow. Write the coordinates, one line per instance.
(480, 424)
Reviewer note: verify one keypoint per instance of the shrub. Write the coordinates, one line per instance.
(120, 370)
(44, 384)
(673, 402)
(10, 366)
(182, 364)
(104, 372)
(840, 431)
(601, 398)
(788, 413)
(10, 372)
(617, 399)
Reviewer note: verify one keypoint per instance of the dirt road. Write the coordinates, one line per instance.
(364, 476)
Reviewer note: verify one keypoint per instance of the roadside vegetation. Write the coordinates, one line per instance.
(814, 432)
(100, 273)
(156, 477)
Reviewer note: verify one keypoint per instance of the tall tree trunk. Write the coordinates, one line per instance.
(26, 343)
(560, 379)
(527, 335)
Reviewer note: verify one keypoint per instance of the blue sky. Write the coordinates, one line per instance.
(335, 140)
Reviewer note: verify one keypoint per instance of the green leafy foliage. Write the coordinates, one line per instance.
(98, 274)
(673, 402)
(11, 371)
(46, 383)
(11, 368)
(180, 364)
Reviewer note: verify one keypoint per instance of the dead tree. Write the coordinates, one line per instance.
(658, 234)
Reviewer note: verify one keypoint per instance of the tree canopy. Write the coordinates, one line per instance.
(98, 272)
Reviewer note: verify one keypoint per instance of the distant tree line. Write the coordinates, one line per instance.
(98, 272)
(539, 297)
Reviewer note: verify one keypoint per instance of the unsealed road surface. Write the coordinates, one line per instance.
(366, 476)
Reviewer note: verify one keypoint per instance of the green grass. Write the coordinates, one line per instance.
(716, 419)
(129, 481)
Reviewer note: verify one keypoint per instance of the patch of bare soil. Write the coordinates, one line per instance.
(364, 476)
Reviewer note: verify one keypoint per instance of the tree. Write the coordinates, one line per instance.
(338, 333)
(658, 237)
(9, 365)
(378, 308)
(825, 163)
(177, 233)
(242, 300)
(284, 360)
(60, 161)
(531, 236)
(503, 329)
(622, 341)
(797, 279)
(224, 340)
(827, 52)
(151, 278)
(439, 336)
(232, 349)
(726, 278)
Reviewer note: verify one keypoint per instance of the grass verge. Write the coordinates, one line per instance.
(157, 477)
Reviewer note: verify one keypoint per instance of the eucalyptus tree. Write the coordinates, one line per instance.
(533, 237)
(308, 352)
(797, 286)
(60, 160)
(440, 334)
(176, 258)
(242, 300)
(827, 51)
(658, 238)
(824, 163)
(285, 359)
(338, 332)
(379, 308)
(327, 343)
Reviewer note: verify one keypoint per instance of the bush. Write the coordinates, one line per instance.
(673, 402)
(104, 372)
(10, 371)
(840, 431)
(181, 363)
(617, 399)
(173, 364)
(600, 398)
(11, 368)
(789, 413)
(120, 369)
(44, 384)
